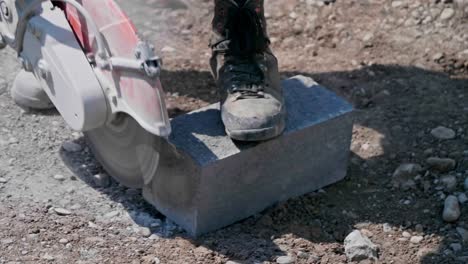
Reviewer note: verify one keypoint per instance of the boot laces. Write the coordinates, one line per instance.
(245, 77)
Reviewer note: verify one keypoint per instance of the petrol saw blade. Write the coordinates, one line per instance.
(127, 146)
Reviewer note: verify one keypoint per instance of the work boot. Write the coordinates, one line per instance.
(27, 92)
(246, 72)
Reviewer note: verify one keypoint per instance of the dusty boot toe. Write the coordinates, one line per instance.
(253, 119)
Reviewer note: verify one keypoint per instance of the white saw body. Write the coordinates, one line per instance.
(100, 76)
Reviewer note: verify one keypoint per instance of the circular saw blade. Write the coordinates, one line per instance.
(126, 151)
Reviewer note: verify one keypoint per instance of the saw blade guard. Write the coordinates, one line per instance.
(129, 72)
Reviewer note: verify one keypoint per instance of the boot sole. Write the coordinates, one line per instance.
(262, 134)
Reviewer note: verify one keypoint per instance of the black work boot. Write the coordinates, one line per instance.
(246, 72)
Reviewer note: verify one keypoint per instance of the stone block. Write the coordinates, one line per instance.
(206, 181)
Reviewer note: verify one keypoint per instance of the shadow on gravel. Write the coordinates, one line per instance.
(396, 109)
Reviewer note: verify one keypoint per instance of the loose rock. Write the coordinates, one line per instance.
(443, 133)
(359, 247)
(62, 212)
(285, 260)
(3, 180)
(451, 211)
(102, 180)
(449, 182)
(441, 164)
(416, 239)
(145, 232)
(463, 234)
(71, 147)
(404, 173)
(387, 227)
(456, 247)
(462, 198)
(447, 13)
(59, 177)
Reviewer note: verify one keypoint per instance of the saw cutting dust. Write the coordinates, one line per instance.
(163, 132)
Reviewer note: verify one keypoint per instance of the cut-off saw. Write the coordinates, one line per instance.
(100, 76)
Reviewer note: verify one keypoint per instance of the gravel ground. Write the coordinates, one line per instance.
(403, 64)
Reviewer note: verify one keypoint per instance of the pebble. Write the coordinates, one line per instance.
(112, 214)
(443, 133)
(145, 232)
(59, 177)
(456, 247)
(62, 212)
(405, 173)
(102, 180)
(397, 4)
(48, 257)
(451, 211)
(462, 198)
(387, 227)
(168, 49)
(406, 234)
(63, 241)
(303, 255)
(449, 182)
(3, 180)
(285, 260)
(463, 234)
(419, 228)
(447, 14)
(441, 164)
(416, 239)
(359, 247)
(466, 184)
(71, 147)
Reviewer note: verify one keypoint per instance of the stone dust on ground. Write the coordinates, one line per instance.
(404, 66)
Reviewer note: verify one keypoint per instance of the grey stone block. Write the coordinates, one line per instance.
(206, 181)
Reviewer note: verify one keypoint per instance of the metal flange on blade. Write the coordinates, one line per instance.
(128, 145)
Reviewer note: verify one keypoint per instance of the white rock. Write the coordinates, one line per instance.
(443, 133)
(396, 4)
(416, 239)
(168, 49)
(59, 177)
(102, 180)
(451, 211)
(62, 211)
(3, 180)
(46, 256)
(145, 232)
(285, 260)
(359, 247)
(71, 147)
(387, 227)
(447, 13)
(63, 241)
